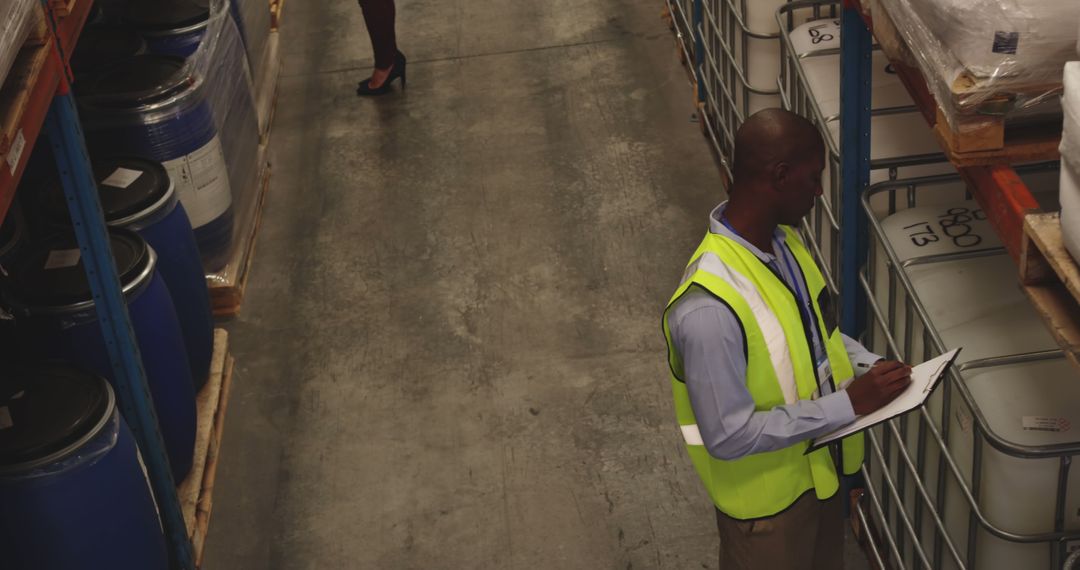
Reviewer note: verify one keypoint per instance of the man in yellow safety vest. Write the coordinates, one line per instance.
(759, 366)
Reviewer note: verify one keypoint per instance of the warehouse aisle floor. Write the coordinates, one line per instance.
(450, 353)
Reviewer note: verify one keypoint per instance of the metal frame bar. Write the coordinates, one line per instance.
(129, 378)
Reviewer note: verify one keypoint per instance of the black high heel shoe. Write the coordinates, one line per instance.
(397, 70)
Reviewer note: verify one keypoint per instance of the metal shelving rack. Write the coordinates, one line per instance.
(51, 108)
(1005, 199)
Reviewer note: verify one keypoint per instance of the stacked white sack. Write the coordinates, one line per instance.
(1070, 160)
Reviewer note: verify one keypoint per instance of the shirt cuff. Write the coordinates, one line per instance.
(862, 363)
(837, 408)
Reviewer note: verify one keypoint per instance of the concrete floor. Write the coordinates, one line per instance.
(450, 353)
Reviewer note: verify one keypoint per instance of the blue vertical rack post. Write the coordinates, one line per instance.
(855, 77)
(129, 378)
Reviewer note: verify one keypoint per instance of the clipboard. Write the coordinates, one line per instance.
(925, 378)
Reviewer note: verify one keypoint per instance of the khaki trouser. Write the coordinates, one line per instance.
(808, 535)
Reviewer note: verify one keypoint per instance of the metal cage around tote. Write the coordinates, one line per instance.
(925, 505)
(822, 226)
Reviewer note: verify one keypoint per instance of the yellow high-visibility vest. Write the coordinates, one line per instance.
(780, 370)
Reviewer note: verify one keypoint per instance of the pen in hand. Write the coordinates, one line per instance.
(881, 385)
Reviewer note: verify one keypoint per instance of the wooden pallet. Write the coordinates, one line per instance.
(40, 34)
(275, 13)
(197, 490)
(980, 140)
(227, 295)
(1051, 279)
(16, 94)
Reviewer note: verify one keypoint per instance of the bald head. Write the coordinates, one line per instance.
(769, 138)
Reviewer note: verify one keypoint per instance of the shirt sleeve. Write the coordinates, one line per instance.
(709, 341)
(862, 360)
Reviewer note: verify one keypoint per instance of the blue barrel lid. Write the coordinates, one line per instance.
(130, 190)
(102, 45)
(50, 274)
(160, 15)
(47, 411)
(140, 80)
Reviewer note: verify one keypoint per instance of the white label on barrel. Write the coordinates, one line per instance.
(122, 178)
(15, 154)
(202, 182)
(5, 418)
(1046, 423)
(61, 258)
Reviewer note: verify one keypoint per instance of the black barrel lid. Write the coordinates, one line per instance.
(46, 409)
(51, 273)
(102, 45)
(126, 186)
(159, 15)
(138, 80)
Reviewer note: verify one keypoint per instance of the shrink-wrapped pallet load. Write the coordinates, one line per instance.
(990, 57)
(1070, 160)
(16, 22)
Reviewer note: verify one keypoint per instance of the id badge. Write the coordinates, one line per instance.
(824, 374)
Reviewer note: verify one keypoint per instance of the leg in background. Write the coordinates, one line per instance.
(379, 17)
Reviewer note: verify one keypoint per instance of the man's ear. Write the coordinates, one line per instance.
(780, 173)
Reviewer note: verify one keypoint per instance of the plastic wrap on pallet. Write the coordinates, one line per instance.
(16, 21)
(1000, 57)
(222, 59)
(253, 19)
(1070, 161)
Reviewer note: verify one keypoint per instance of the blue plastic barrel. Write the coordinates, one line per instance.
(139, 195)
(170, 27)
(57, 319)
(153, 107)
(73, 492)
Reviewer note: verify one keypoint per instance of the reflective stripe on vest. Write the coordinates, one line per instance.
(692, 435)
(775, 340)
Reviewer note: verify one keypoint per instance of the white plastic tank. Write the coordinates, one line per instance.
(1033, 404)
(817, 45)
(891, 136)
(763, 54)
(974, 302)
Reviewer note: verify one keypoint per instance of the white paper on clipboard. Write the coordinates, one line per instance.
(924, 378)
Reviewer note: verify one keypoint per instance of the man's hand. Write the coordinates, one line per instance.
(879, 386)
